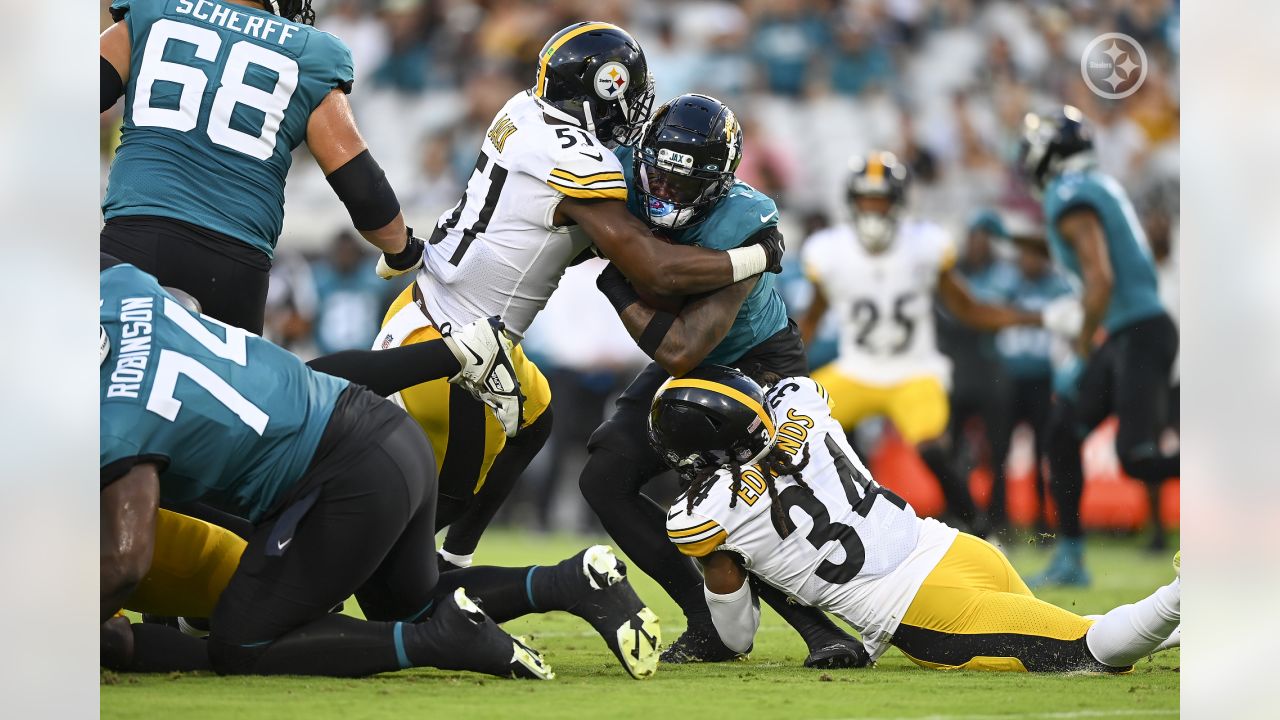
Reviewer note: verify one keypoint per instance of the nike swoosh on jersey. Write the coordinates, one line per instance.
(765, 218)
(597, 157)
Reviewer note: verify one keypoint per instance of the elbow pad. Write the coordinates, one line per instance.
(112, 87)
(363, 188)
(736, 616)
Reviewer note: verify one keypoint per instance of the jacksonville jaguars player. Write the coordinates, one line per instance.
(218, 94)
(681, 177)
(193, 409)
(776, 492)
(1095, 235)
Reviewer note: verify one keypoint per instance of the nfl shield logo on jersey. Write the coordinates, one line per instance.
(611, 80)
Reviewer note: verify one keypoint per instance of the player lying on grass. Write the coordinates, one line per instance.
(681, 182)
(775, 490)
(339, 484)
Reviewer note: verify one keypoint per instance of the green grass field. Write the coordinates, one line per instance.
(770, 684)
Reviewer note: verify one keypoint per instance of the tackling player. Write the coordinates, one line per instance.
(545, 189)
(340, 488)
(218, 94)
(1095, 235)
(681, 176)
(776, 491)
(880, 275)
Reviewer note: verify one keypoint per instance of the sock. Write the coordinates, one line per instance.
(160, 648)
(334, 645)
(502, 592)
(387, 372)
(1131, 632)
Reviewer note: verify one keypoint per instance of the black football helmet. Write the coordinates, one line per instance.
(296, 10)
(1052, 143)
(880, 174)
(686, 158)
(597, 73)
(712, 417)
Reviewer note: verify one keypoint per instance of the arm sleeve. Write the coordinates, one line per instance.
(387, 372)
(735, 615)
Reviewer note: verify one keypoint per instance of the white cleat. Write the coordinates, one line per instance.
(611, 606)
(484, 351)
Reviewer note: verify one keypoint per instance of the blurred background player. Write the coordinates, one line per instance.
(543, 167)
(774, 489)
(218, 94)
(1094, 234)
(880, 275)
(681, 181)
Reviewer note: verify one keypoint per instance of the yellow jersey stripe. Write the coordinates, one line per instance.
(540, 88)
(689, 532)
(618, 193)
(728, 392)
(586, 179)
(703, 548)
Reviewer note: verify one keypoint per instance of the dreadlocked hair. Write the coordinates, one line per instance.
(777, 463)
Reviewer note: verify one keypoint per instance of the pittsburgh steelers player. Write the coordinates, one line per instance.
(545, 190)
(880, 275)
(339, 484)
(775, 491)
(218, 94)
(1095, 235)
(681, 177)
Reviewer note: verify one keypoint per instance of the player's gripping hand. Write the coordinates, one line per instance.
(1063, 316)
(775, 246)
(407, 260)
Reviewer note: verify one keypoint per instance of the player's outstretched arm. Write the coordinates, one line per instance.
(660, 267)
(677, 342)
(969, 310)
(128, 509)
(813, 315)
(1083, 231)
(735, 611)
(113, 51)
(360, 183)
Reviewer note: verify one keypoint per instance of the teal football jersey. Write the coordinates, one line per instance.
(1134, 294)
(232, 419)
(739, 215)
(1026, 349)
(218, 97)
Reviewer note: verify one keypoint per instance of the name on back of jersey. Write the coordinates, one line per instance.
(255, 26)
(135, 347)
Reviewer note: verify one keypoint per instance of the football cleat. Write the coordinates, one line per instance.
(610, 605)
(837, 655)
(1066, 567)
(484, 351)
(699, 644)
(480, 645)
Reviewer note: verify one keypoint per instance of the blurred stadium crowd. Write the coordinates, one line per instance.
(942, 83)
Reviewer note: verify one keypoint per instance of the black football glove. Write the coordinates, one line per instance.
(774, 247)
(407, 260)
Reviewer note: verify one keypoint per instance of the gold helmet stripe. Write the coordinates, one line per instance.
(727, 392)
(540, 88)
(875, 168)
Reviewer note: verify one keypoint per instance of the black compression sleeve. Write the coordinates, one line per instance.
(389, 371)
(112, 87)
(651, 339)
(363, 188)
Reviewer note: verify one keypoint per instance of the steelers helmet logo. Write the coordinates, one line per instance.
(611, 80)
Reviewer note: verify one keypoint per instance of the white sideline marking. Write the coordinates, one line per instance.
(1064, 715)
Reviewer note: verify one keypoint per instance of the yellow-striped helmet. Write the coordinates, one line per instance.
(711, 418)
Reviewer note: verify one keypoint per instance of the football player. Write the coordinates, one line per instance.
(681, 177)
(880, 275)
(218, 94)
(195, 409)
(1095, 235)
(775, 490)
(545, 190)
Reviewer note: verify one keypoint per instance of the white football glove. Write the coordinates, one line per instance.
(1063, 317)
(484, 351)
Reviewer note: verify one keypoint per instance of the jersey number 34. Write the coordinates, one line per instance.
(232, 89)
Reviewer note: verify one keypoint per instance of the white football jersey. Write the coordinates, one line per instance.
(856, 549)
(884, 301)
(498, 251)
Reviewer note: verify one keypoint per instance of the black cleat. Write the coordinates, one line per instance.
(699, 644)
(612, 607)
(837, 655)
(472, 641)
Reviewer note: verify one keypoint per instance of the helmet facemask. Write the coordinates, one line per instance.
(673, 192)
(876, 228)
